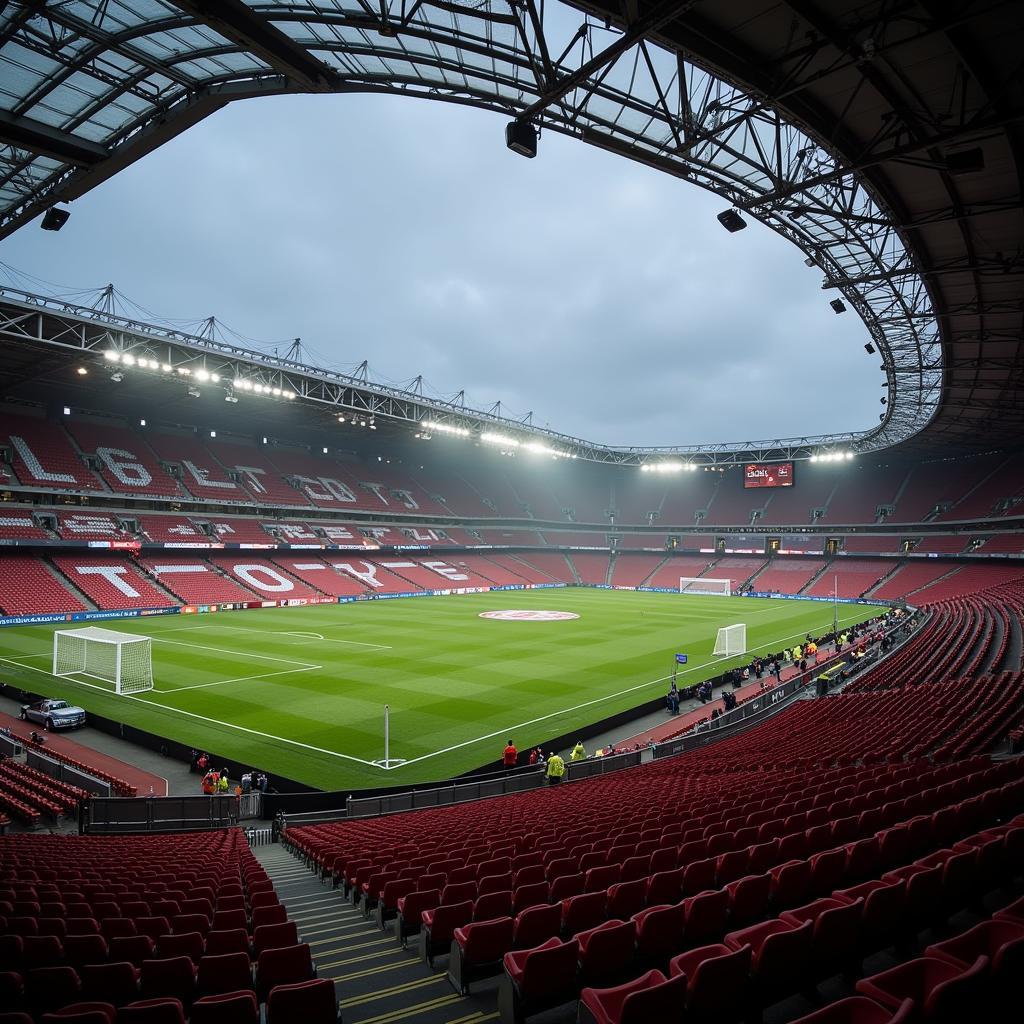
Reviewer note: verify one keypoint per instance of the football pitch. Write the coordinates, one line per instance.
(300, 692)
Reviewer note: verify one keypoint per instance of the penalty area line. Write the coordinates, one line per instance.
(308, 636)
(587, 704)
(237, 679)
(203, 718)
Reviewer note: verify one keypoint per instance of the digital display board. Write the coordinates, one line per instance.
(768, 474)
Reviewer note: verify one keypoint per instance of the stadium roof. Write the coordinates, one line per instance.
(883, 138)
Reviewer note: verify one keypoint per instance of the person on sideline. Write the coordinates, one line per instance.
(510, 756)
(556, 769)
(578, 753)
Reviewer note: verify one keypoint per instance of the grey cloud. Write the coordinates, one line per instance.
(597, 293)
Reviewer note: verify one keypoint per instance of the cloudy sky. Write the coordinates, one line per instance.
(599, 294)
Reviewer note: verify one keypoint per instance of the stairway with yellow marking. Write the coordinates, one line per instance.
(376, 981)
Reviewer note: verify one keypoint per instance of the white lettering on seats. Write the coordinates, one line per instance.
(367, 576)
(296, 531)
(35, 467)
(129, 470)
(162, 570)
(16, 521)
(421, 535)
(252, 475)
(449, 572)
(325, 488)
(336, 533)
(377, 490)
(112, 574)
(202, 477)
(84, 523)
(406, 499)
(185, 530)
(278, 584)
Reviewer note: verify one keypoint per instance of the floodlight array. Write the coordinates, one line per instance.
(832, 457)
(507, 442)
(436, 426)
(668, 467)
(259, 388)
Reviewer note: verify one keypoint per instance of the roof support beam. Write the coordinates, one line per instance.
(639, 29)
(45, 140)
(239, 23)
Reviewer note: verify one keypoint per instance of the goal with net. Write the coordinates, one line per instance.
(699, 585)
(731, 640)
(122, 659)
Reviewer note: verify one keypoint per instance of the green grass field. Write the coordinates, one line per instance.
(300, 691)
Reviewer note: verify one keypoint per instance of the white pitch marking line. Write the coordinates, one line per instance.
(578, 707)
(238, 679)
(326, 640)
(237, 654)
(204, 718)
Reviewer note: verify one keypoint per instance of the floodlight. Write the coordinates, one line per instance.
(276, 392)
(325, 451)
(215, 377)
(373, 426)
(54, 219)
(341, 418)
(117, 377)
(142, 423)
(869, 348)
(128, 359)
(289, 394)
(521, 138)
(202, 375)
(849, 455)
(213, 433)
(112, 356)
(67, 410)
(731, 221)
(81, 371)
(193, 392)
(809, 262)
(838, 306)
(231, 399)
(264, 440)
(166, 367)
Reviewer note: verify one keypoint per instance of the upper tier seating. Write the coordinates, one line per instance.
(969, 579)
(551, 566)
(127, 464)
(1006, 480)
(941, 545)
(28, 586)
(813, 484)
(111, 582)
(43, 456)
(656, 541)
(736, 570)
(520, 571)
(201, 474)
(257, 474)
(172, 530)
(860, 490)
(511, 537)
(932, 484)
(1005, 543)
(682, 565)
(873, 543)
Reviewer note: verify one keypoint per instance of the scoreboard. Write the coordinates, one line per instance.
(768, 474)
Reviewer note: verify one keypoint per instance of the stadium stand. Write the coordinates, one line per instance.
(631, 569)
(941, 545)
(1002, 483)
(257, 474)
(575, 538)
(111, 582)
(1003, 544)
(511, 538)
(195, 581)
(934, 485)
(125, 462)
(658, 541)
(737, 570)
(172, 530)
(43, 455)
(681, 565)
(873, 544)
(813, 485)
(858, 493)
(910, 578)
(854, 577)
(591, 567)
(881, 791)
(18, 524)
(683, 498)
(199, 471)
(970, 579)
(263, 577)
(90, 526)
(30, 586)
(788, 575)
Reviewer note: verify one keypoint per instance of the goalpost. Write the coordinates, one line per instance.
(731, 640)
(124, 659)
(703, 585)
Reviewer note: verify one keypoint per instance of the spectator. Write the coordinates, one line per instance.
(578, 753)
(533, 756)
(247, 782)
(510, 755)
(222, 782)
(556, 769)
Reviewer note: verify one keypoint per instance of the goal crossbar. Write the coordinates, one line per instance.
(124, 659)
(731, 640)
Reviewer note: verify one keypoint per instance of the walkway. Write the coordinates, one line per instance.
(377, 982)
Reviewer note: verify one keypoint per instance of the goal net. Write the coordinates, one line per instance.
(731, 640)
(701, 585)
(123, 659)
